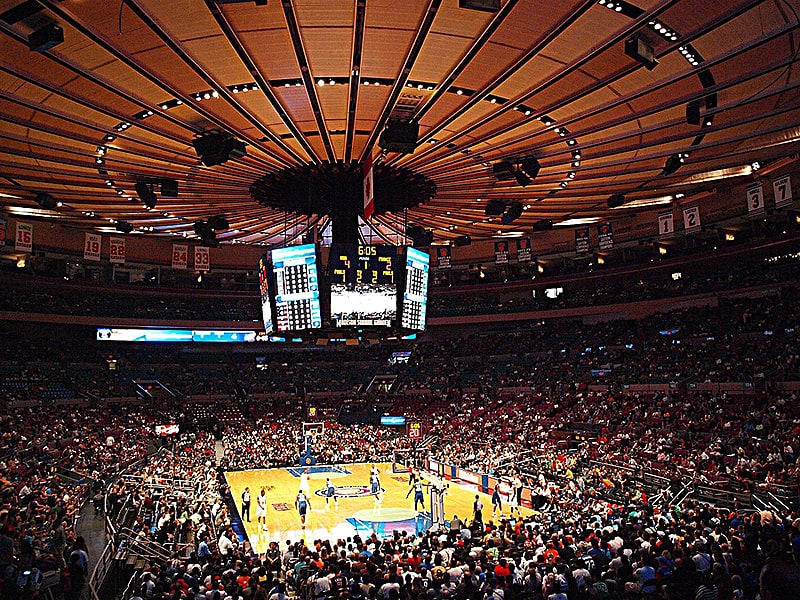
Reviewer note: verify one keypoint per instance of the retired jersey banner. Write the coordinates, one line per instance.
(443, 257)
(524, 250)
(116, 250)
(691, 219)
(3, 229)
(202, 261)
(180, 252)
(501, 253)
(24, 239)
(783, 191)
(666, 224)
(755, 199)
(581, 240)
(91, 247)
(605, 236)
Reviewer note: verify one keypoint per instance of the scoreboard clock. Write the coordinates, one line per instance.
(413, 430)
(363, 287)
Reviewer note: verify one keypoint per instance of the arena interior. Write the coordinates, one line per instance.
(440, 299)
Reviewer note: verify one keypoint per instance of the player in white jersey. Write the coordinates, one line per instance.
(261, 509)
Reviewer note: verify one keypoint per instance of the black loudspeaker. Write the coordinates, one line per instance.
(218, 222)
(123, 226)
(45, 200)
(531, 166)
(169, 188)
(146, 194)
(616, 200)
(462, 240)
(543, 225)
(215, 148)
(420, 236)
(484, 5)
(693, 113)
(495, 208)
(513, 213)
(503, 171)
(399, 136)
(45, 38)
(638, 49)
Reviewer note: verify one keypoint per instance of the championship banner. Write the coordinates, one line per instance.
(369, 192)
(116, 250)
(443, 257)
(755, 199)
(524, 250)
(782, 188)
(581, 240)
(501, 253)
(24, 240)
(691, 219)
(202, 261)
(605, 236)
(666, 224)
(180, 253)
(3, 229)
(91, 247)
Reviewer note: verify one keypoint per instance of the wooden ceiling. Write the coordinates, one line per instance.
(312, 81)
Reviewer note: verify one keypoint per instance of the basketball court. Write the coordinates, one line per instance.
(357, 510)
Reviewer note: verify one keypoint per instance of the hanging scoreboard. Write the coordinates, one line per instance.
(297, 305)
(363, 287)
(415, 296)
(263, 281)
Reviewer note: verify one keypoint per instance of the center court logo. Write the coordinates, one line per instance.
(348, 491)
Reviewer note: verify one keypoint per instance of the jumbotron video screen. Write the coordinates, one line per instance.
(363, 286)
(263, 281)
(415, 295)
(297, 305)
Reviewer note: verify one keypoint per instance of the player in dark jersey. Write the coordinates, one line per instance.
(330, 492)
(302, 503)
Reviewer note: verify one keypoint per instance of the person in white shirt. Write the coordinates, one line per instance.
(261, 509)
(226, 546)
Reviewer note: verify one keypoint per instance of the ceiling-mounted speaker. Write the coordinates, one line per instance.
(543, 225)
(45, 200)
(45, 38)
(484, 5)
(400, 136)
(495, 208)
(462, 240)
(146, 194)
(123, 226)
(693, 113)
(217, 147)
(420, 236)
(530, 166)
(639, 49)
(503, 170)
(218, 222)
(616, 200)
(513, 213)
(169, 188)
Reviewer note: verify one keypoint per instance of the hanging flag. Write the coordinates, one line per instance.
(691, 219)
(369, 192)
(581, 240)
(24, 239)
(116, 250)
(3, 229)
(179, 256)
(782, 188)
(524, 250)
(443, 257)
(202, 260)
(666, 224)
(501, 253)
(605, 236)
(755, 199)
(91, 247)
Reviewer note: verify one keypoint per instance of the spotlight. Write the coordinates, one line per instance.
(45, 200)
(146, 194)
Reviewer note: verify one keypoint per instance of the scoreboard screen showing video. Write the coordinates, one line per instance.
(415, 296)
(363, 287)
(263, 280)
(297, 303)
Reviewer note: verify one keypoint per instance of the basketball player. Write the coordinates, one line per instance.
(246, 503)
(330, 492)
(261, 509)
(418, 496)
(497, 500)
(375, 484)
(305, 484)
(302, 504)
(513, 503)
